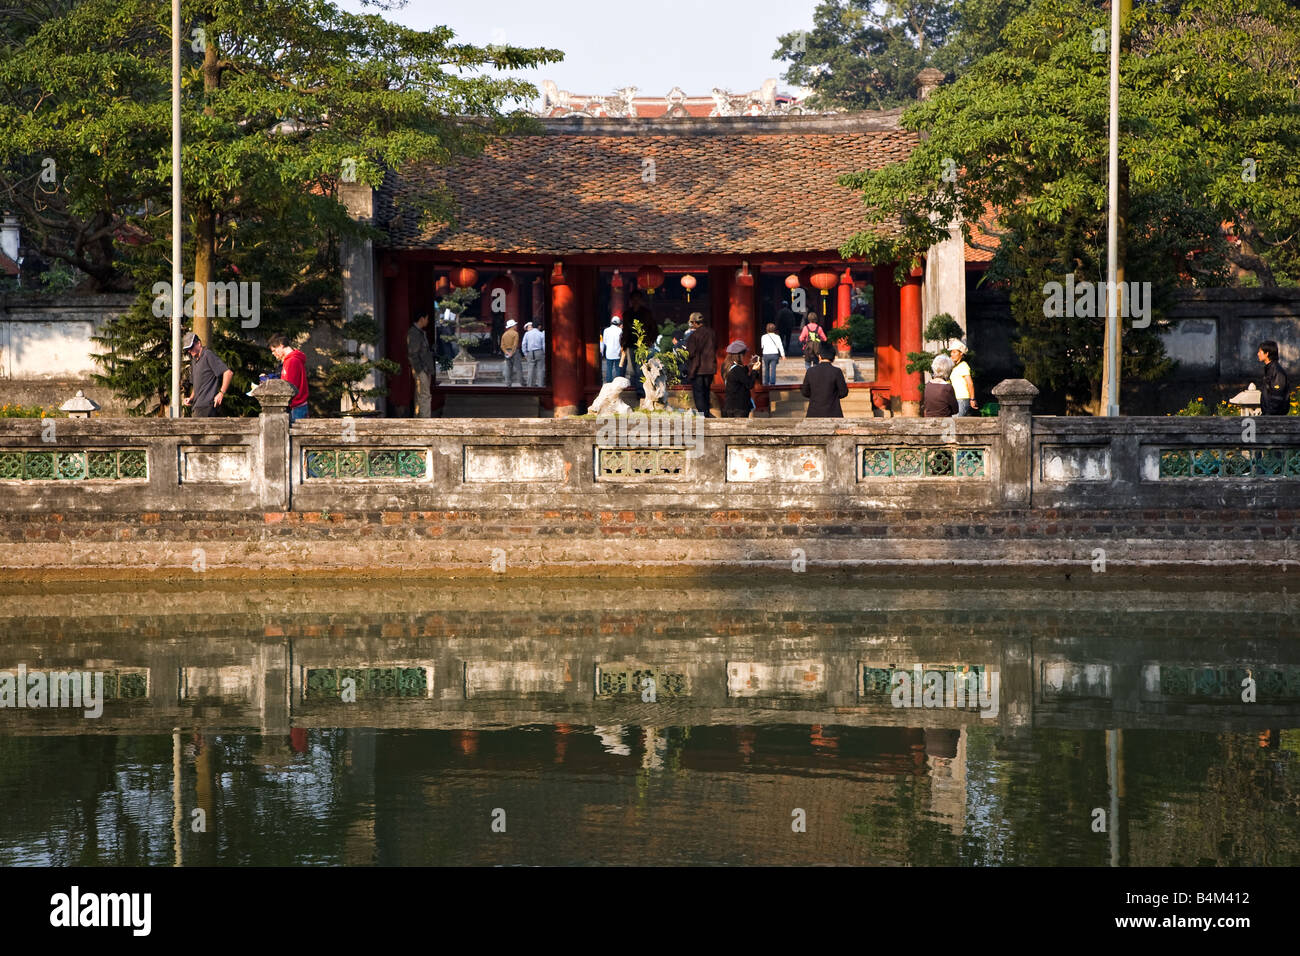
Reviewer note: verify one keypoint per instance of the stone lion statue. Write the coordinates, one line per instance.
(610, 400)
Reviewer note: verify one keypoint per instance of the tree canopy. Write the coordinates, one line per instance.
(282, 100)
(1210, 126)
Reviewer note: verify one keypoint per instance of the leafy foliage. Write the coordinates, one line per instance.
(283, 103)
(343, 378)
(1208, 85)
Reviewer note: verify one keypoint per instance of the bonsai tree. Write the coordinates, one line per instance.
(344, 378)
(672, 357)
(456, 302)
(942, 328)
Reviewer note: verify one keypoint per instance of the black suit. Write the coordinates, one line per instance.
(824, 386)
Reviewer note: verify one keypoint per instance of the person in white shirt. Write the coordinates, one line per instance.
(611, 348)
(534, 349)
(962, 383)
(773, 352)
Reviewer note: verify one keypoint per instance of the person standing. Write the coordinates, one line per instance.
(773, 351)
(534, 355)
(510, 349)
(420, 357)
(739, 379)
(611, 348)
(1276, 397)
(811, 337)
(939, 401)
(824, 386)
(210, 375)
(701, 362)
(293, 369)
(963, 385)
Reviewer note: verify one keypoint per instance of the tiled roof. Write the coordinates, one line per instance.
(980, 232)
(721, 186)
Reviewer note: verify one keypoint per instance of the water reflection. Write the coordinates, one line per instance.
(832, 722)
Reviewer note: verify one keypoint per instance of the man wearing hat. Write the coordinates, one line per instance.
(739, 380)
(611, 347)
(963, 385)
(534, 346)
(510, 349)
(210, 375)
(701, 362)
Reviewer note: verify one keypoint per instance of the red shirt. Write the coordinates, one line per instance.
(294, 371)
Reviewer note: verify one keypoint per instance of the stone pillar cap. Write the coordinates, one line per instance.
(274, 394)
(1012, 390)
(79, 403)
(1250, 396)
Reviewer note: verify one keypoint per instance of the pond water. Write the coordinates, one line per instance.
(1100, 721)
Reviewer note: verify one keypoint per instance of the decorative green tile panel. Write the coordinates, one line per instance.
(101, 464)
(617, 680)
(1206, 463)
(373, 683)
(72, 465)
(18, 465)
(1247, 462)
(126, 685)
(401, 463)
(132, 463)
(11, 464)
(908, 461)
(938, 463)
(640, 462)
(970, 463)
(923, 462)
(1175, 464)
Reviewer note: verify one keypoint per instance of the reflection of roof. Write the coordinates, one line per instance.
(733, 185)
(8, 266)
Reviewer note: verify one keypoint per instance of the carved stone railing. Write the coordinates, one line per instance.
(1013, 461)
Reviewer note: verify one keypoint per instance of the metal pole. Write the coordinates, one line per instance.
(1111, 356)
(178, 274)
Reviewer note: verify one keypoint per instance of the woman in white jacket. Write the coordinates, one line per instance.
(773, 351)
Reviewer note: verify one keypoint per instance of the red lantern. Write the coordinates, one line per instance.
(792, 282)
(463, 278)
(500, 282)
(824, 280)
(649, 278)
(688, 283)
(617, 281)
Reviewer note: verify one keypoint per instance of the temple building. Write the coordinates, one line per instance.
(734, 216)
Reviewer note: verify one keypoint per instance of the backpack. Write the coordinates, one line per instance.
(812, 348)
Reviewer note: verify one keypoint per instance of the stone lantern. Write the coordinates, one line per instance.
(79, 406)
(1247, 401)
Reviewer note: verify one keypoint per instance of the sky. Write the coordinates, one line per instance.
(653, 45)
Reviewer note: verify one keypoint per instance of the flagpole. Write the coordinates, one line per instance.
(178, 276)
(1111, 354)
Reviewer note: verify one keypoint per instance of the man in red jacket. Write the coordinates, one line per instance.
(293, 369)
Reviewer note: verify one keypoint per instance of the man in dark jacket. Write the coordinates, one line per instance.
(824, 386)
(701, 362)
(1276, 399)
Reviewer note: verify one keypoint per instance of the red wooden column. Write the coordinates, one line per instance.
(742, 322)
(719, 317)
(584, 281)
(888, 367)
(615, 299)
(909, 339)
(844, 303)
(566, 346)
(397, 295)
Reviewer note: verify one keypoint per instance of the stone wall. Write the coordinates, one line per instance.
(377, 496)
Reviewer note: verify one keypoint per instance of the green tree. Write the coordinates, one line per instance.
(862, 54)
(1021, 138)
(343, 378)
(282, 101)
